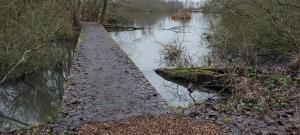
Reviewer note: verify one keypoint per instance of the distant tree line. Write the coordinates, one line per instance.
(152, 5)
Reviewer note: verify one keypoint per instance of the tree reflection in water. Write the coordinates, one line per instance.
(35, 98)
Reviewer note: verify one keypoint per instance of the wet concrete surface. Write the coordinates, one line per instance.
(105, 85)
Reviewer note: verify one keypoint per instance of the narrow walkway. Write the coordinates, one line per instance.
(105, 85)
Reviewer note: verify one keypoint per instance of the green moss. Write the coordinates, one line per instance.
(178, 110)
(275, 81)
(189, 74)
(227, 120)
(279, 101)
(203, 71)
(283, 79)
(189, 71)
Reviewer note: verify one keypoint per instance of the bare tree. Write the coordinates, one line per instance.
(104, 10)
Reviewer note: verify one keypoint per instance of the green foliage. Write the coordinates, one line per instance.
(227, 120)
(246, 104)
(51, 118)
(270, 84)
(260, 108)
(277, 81)
(284, 80)
(279, 101)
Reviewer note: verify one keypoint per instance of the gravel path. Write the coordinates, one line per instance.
(105, 85)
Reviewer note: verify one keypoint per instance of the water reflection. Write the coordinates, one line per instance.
(144, 48)
(35, 98)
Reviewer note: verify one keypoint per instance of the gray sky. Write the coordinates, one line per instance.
(194, 0)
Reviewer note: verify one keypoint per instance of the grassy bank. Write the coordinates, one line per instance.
(246, 96)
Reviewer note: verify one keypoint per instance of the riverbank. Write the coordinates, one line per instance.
(260, 102)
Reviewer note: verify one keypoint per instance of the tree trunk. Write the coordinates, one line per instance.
(104, 10)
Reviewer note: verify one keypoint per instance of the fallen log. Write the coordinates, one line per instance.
(114, 28)
(199, 74)
(214, 78)
(205, 77)
(189, 74)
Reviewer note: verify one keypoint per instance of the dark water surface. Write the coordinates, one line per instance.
(145, 47)
(36, 98)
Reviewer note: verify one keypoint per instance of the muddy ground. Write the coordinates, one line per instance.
(284, 120)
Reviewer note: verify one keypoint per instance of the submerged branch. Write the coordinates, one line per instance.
(122, 28)
(9, 4)
(23, 59)
(14, 120)
(287, 4)
(25, 56)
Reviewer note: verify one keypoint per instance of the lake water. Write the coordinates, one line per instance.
(145, 47)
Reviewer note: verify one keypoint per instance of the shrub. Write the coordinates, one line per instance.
(255, 30)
